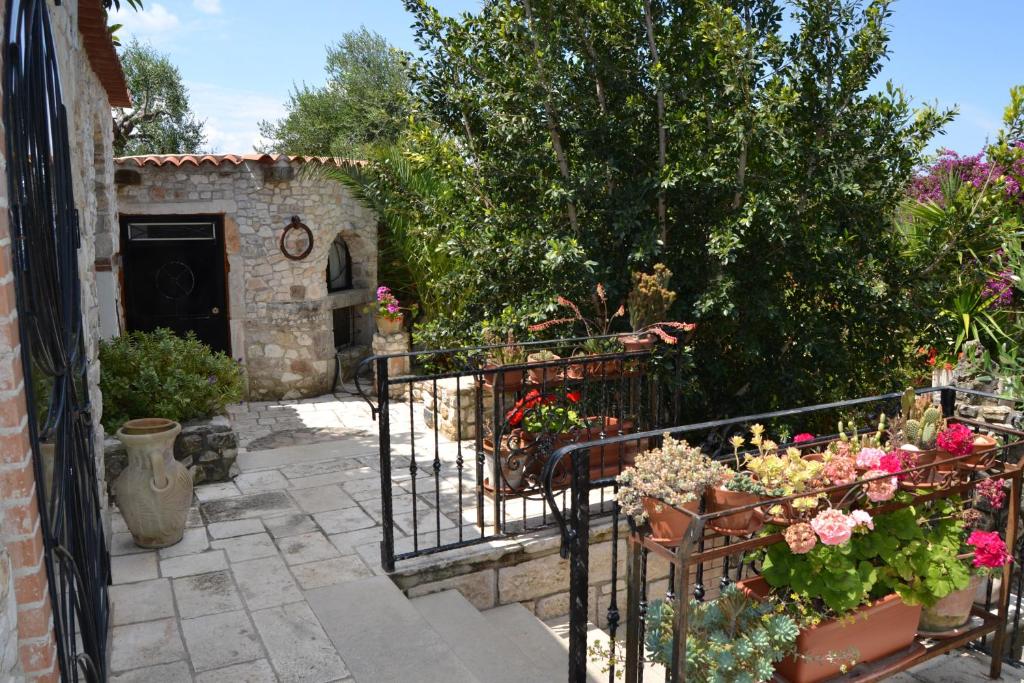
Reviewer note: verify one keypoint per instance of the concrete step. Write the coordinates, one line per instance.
(519, 626)
(382, 637)
(476, 641)
(599, 639)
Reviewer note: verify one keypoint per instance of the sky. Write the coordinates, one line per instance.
(241, 58)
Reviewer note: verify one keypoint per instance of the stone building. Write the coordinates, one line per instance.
(64, 56)
(262, 259)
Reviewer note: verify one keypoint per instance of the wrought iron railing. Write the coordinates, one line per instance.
(463, 442)
(706, 561)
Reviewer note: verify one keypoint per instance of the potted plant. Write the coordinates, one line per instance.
(649, 302)
(958, 440)
(663, 482)
(596, 327)
(513, 460)
(502, 352)
(606, 461)
(784, 475)
(843, 578)
(547, 374)
(387, 312)
(980, 555)
(730, 638)
(738, 489)
(915, 431)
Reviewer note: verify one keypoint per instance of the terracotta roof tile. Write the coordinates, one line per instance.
(92, 25)
(221, 159)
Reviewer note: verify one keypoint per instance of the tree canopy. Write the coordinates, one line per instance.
(365, 101)
(568, 142)
(160, 120)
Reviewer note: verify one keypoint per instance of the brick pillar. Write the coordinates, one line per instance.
(20, 533)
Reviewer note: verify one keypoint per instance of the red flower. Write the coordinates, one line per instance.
(803, 438)
(957, 439)
(531, 400)
(573, 396)
(933, 356)
(891, 462)
(989, 549)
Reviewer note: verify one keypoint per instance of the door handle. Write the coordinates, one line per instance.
(215, 310)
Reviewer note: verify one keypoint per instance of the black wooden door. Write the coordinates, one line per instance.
(174, 276)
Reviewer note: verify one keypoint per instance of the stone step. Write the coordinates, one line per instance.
(520, 627)
(382, 637)
(475, 640)
(598, 638)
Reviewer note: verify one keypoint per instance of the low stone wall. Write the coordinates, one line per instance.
(384, 345)
(971, 373)
(529, 570)
(207, 447)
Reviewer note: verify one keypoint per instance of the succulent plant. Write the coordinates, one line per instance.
(918, 423)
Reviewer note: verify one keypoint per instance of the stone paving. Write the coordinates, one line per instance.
(228, 602)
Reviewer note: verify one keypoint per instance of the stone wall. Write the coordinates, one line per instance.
(971, 373)
(208, 448)
(280, 312)
(529, 570)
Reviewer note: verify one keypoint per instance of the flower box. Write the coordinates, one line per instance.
(871, 633)
(669, 525)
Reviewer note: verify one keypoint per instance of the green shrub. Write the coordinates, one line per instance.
(158, 374)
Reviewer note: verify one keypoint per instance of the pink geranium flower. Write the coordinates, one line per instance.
(989, 549)
(862, 520)
(803, 438)
(832, 527)
(800, 538)
(881, 489)
(868, 458)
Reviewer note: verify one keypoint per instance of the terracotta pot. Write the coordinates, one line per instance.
(388, 326)
(983, 445)
(875, 632)
(633, 342)
(739, 523)
(155, 491)
(544, 375)
(952, 611)
(514, 462)
(509, 380)
(668, 525)
(604, 369)
(927, 479)
(608, 461)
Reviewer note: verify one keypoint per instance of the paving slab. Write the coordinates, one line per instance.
(217, 640)
(259, 482)
(381, 636)
(216, 491)
(330, 572)
(204, 594)
(243, 507)
(307, 548)
(289, 525)
(242, 548)
(132, 568)
(192, 541)
(338, 521)
(299, 649)
(241, 527)
(201, 563)
(142, 601)
(176, 672)
(266, 582)
(323, 498)
(258, 671)
(145, 644)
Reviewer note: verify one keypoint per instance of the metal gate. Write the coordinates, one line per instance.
(44, 243)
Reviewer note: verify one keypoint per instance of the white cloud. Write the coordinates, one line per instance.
(232, 116)
(208, 6)
(152, 22)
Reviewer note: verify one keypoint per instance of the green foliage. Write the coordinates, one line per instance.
(918, 562)
(542, 125)
(732, 639)
(160, 120)
(365, 102)
(551, 419)
(158, 374)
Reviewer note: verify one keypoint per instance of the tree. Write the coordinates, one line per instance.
(581, 140)
(160, 120)
(365, 101)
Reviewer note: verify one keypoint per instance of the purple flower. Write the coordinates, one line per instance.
(1000, 290)
(393, 307)
(382, 293)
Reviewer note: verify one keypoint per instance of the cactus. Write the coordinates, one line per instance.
(912, 431)
(842, 432)
(880, 431)
(907, 402)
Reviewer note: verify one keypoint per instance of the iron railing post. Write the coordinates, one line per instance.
(387, 544)
(579, 565)
(947, 398)
(633, 595)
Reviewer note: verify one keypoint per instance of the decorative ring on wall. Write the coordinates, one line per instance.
(296, 240)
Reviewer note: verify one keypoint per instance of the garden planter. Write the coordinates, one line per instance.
(155, 491)
(610, 460)
(874, 632)
(603, 369)
(513, 463)
(980, 457)
(508, 380)
(543, 375)
(952, 611)
(669, 525)
(389, 326)
(741, 523)
(930, 478)
(633, 342)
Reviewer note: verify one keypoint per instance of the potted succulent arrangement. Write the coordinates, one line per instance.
(664, 481)
(914, 432)
(502, 352)
(546, 374)
(786, 474)
(597, 328)
(730, 638)
(737, 489)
